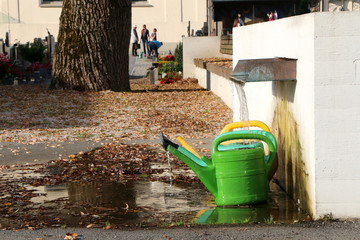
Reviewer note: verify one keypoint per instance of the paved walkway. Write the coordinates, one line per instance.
(17, 153)
(138, 67)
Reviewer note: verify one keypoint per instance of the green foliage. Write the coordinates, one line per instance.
(170, 67)
(107, 224)
(244, 221)
(33, 52)
(269, 220)
(179, 55)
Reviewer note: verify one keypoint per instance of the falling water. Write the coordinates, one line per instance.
(243, 109)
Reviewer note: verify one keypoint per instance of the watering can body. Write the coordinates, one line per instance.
(241, 173)
(236, 174)
(241, 177)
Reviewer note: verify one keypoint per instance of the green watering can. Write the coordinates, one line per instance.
(237, 174)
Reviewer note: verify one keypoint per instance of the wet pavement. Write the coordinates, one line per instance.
(131, 201)
(165, 210)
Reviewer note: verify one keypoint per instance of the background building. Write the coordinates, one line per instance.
(25, 20)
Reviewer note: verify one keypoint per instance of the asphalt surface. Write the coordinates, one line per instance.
(15, 153)
(313, 230)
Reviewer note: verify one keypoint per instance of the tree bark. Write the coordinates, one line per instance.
(92, 47)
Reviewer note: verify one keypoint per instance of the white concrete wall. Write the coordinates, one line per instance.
(337, 113)
(325, 102)
(201, 75)
(30, 12)
(199, 47)
(222, 87)
(28, 20)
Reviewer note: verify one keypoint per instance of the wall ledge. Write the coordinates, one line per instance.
(218, 66)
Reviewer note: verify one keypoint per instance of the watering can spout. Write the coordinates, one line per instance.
(202, 167)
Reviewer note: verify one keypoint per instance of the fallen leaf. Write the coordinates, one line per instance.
(71, 236)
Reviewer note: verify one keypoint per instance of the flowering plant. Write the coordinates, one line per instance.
(36, 66)
(171, 78)
(16, 72)
(46, 66)
(160, 63)
(167, 58)
(33, 67)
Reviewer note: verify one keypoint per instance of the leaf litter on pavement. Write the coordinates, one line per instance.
(34, 114)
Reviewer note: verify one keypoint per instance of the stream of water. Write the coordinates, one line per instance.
(243, 109)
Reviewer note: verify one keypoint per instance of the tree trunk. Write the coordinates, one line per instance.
(92, 48)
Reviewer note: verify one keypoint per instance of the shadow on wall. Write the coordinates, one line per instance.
(292, 172)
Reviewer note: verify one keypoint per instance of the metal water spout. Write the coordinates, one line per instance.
(267, 69)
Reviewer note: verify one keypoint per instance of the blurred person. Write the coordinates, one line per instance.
(145, 39)
(238, 22)
(154, 46)
(153, 36)
(134, 40)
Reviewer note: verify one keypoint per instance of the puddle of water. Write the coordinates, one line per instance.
(136, 202)
(49, 193)
(150, 203)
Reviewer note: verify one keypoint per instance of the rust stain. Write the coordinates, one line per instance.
(292, 172)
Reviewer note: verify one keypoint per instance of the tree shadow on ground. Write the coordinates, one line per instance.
(34, 106)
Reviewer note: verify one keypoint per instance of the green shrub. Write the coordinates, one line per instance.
(170, 67)
(179, 55)
(33, 52)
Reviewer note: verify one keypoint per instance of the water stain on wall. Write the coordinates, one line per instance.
(292, 174)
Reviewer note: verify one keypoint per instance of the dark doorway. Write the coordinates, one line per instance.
(251, 11)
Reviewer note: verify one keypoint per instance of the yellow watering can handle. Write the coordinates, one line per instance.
(242, 124)
(188, 147)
